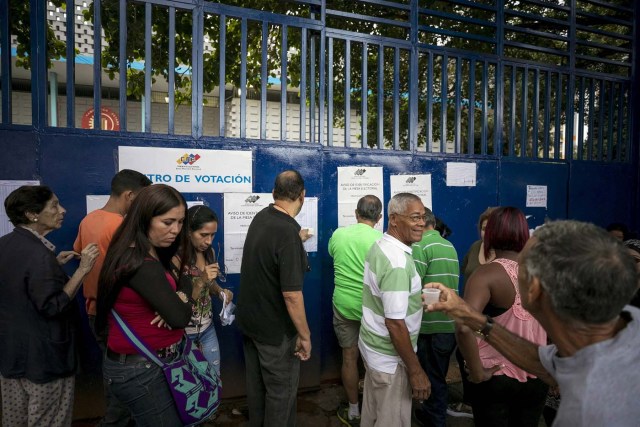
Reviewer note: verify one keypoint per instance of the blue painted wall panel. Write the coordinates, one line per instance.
(514, 178)
(603, 193)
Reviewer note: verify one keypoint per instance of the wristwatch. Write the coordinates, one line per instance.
(486, 329)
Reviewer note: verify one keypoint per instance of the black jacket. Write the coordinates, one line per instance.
(37, 332)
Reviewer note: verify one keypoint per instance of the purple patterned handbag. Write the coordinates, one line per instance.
(194, 383)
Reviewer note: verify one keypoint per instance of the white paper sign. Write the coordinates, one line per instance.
(96, 202)
(536, 196)
(355, 182)
(192, 170)
(239, 210)
(6, 188)
(308, 218)
(420, 185)
(461, 174)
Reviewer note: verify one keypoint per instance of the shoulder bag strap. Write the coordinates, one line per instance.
(136, 341)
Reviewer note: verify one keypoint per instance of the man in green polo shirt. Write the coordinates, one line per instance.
(436, 260)
(348, 247)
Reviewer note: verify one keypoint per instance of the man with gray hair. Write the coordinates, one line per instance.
(576, 280)
(391, 315)
(348, 247)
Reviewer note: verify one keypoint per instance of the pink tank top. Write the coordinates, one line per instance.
(517, 320)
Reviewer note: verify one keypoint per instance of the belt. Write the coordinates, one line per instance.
(125, 358)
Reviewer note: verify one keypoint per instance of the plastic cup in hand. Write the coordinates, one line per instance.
(431, 295)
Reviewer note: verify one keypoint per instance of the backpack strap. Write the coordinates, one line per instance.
(142, 347)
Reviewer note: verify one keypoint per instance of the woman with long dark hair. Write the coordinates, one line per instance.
(500, 393)
(202, 269)
(136, 281)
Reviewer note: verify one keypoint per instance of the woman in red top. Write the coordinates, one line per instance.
(136, 281)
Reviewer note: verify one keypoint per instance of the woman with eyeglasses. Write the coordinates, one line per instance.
(202, 268)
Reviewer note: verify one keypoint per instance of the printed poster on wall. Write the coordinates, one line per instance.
(536, 196)
(353, 183)
(461, 174)
(420, 185)
(239, 210)
(191, 170)
(6, 188)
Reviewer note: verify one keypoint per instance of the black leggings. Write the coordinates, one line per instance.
(506, 402)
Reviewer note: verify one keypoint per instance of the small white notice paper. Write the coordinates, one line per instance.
(461, 174)
(536, 196)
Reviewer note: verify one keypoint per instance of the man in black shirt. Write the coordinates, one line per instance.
(270, 311)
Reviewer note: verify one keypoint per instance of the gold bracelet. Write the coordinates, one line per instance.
(486, 329)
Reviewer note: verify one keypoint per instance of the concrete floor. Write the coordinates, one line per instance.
(316, 408)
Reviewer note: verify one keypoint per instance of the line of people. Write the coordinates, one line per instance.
(138, 258)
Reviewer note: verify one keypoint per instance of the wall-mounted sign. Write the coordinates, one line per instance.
(109, 120)
(191, 170)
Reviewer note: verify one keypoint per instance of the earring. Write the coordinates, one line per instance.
(35, 219)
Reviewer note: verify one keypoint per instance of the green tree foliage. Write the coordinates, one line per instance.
(20, 27)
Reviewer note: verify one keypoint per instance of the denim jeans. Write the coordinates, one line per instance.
(272, 382)
(434, 354)
(143, 388)
(209, 346)
(116, 414)
(506, 402)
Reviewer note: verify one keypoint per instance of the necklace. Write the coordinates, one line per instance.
(281, 209)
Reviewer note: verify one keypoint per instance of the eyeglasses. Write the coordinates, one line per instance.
(415, 219)
(222, 269)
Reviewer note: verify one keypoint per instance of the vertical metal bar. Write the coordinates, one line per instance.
(512, 125)
(472, 108)
(556, 133)
(222, 83)
(347, 93)
(525, 100)
(312, 89)
(70, 37)
(123, 66)
(547, 114)
(303, 87)
(536, 113)
(148, 65)
(38, 63)
(396, 98)
(243, 78)
(498, 123)
(380, 118)
(413, 79)
(443, 102)
(364, 97)
(611, 114)
(283, 85)
(5, 61)
(621, 109)
(458, 123)
(330, 94)
(601, 119)
(197, 66)
(263, 81)
(592, 115)
(485, 106)
(581, 119)
(171, 70)
(97, 64)
(430, 103)
(322, 72)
